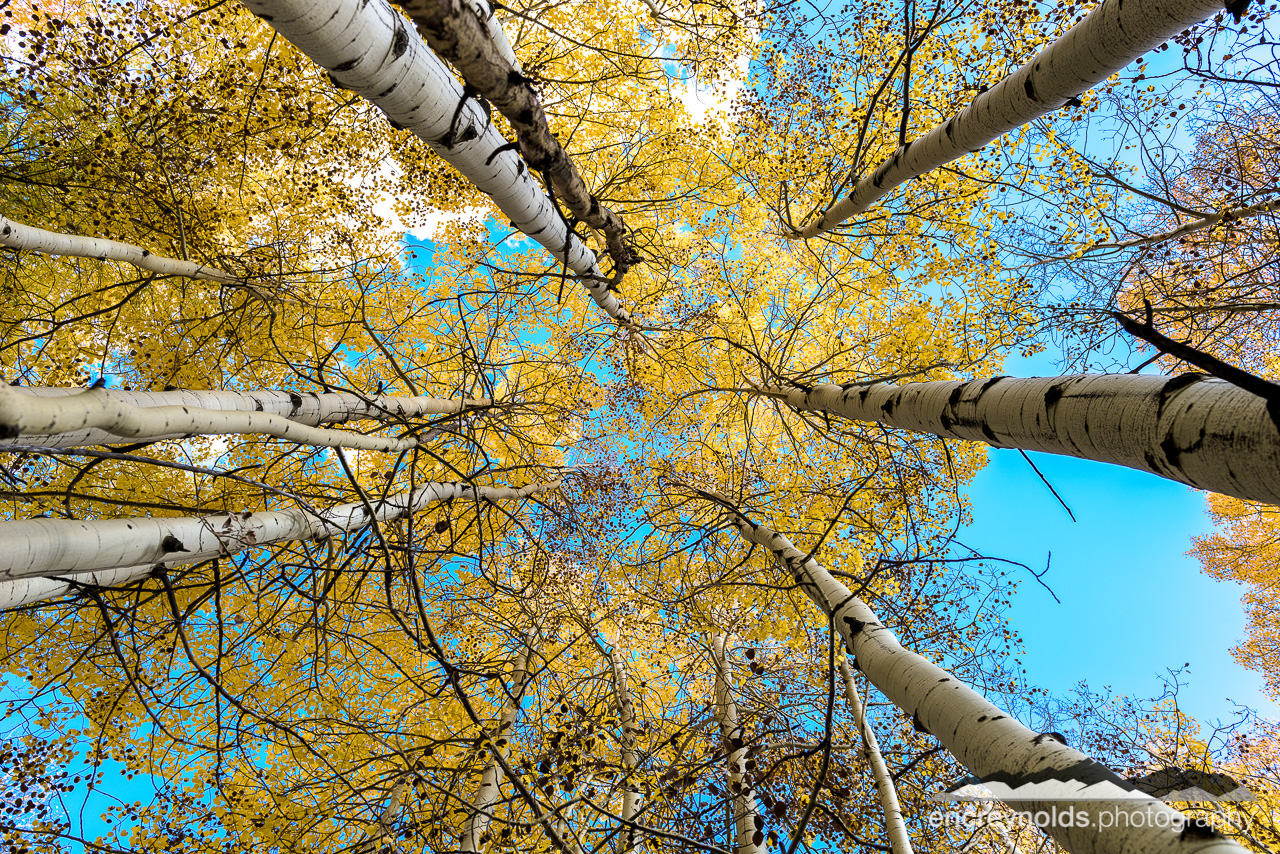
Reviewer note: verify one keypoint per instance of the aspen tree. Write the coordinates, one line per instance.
(748, 823)
(986, 740)
(369, 48)
(899, 840)
(475, 833)
(1204, 432)
(1114, 34)
(69, 418)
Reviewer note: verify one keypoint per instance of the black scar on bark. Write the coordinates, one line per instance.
(1174, 386)
(296, 400)
(399, 41)
(348, 65)
(855, 625)
(1051, 398)
(1049, 736)
(170, 543)
(8, 431)
(1029, 88)
(949, 127)
(389, 90)
(257, 406)
(918, 725)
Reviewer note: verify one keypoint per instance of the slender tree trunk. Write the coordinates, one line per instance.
(1203, 432)
(15, 235)
(72, 417)
(369, 48)
(1113, 35)
(384, 827)
(475, 832)
(899, 841)
(54, 547)
(748, 823)
(627, 741)
(992, 745)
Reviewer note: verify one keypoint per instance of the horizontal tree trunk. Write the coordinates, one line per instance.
(1203, 432)
(72, 417)
(51, 547)
(1113, 35)
(15, 235)
(369, 48)
(25, 591)
(994, 746)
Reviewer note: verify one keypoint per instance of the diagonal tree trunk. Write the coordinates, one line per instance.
(55, 547)
(899, 840)
(73, 417)
(992, 745)
(478, 48)
(1204, 432)
(475, 831)
(369, 48)
(748, 822)
(384, 827)
(1113, 35)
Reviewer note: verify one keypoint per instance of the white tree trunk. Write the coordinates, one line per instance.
(1204, 432)
(994, 746)
(385, 825)
(487, 794)
(15, 235)
(369, 48)
(1113, 35)
(748, 822)
(25, 591)
(627, 742)
(52, 547)
(899, 840)
(70, 417)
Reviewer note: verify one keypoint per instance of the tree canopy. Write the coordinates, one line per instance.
(432, 428)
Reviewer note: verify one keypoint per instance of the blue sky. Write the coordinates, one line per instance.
(1133, 603)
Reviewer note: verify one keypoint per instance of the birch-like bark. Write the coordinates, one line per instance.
(473, 42)
(15, 235)
(1223, 217)
(1110, 37)
(748, 822)
(26, 591)
(896, 827)
(1203, 432)
(54, 547)
(475, 830)
(369, 48)
(71, 417)
(627, 741)
(987, 741)
(385, 825)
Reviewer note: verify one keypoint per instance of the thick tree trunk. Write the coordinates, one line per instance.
(369, 48)
(748, 822)
(1203, 432)
(53, 547)
(1113, 35)
(71, 417)
(485, 60)
(15, 235)
(899, 840)
(994, 746)
(474, 832)
(627, 742)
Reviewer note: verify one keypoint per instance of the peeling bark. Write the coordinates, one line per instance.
(1203, 432)
(1113, 35)
(992, 745)
(467, 39)
(73, 417)
(748, 822)
(52, 547)
(369, 48)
